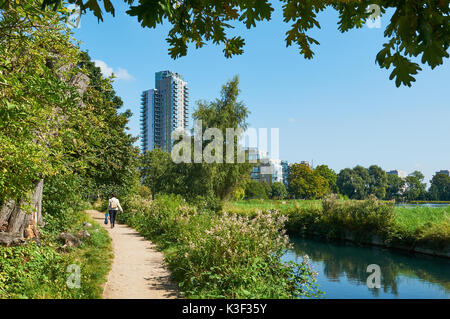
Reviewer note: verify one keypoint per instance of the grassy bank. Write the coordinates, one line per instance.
(40, 271)
(252, 206)
(334, 219)
(220, 255)
(429, 202)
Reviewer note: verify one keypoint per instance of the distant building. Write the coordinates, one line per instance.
(267, 170)
(285, 168)
(163, 110)
(254, 154)
(444, 171)
(398, 173)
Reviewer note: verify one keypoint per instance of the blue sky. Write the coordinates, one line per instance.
(338, 109)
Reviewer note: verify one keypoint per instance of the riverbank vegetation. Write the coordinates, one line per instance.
(221, 255)
(335, 219)
(39, 270)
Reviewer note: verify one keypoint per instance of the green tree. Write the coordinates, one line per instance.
(344, 182)
(113, 160)
(279, 191)
(354, 183)
(417, 28)
(55, 114)
(157, 172)
(395, 187)
(377, 181)
(329, 175)
(267, 189)
(305, 183)
(37, 102)
(255, 189)
(363, 183)
(224, 113)
(440, 187)
(415, 189)
(40, 87)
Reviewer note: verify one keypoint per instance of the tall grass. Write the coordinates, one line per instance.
(254, 205)
(333, 218)
(428, 226)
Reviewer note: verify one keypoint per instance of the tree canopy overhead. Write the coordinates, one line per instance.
(418, 29)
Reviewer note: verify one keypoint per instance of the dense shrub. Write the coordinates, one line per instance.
(279, 191)
(40, 271)
(254, 189)
(221, 255)
(239, 257)
(366, 216)
(24, 268)
(61, 200)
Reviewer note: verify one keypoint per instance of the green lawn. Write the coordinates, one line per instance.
(253, 205)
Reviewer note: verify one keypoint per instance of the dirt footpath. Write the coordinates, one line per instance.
(137, 270)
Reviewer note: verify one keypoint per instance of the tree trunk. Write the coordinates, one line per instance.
(18, 220)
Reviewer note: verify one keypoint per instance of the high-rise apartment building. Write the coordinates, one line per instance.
(285, 170)
(163, 110)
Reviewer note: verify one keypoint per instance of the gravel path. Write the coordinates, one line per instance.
(137, 270)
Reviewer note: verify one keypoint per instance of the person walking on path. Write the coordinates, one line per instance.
(113, 207)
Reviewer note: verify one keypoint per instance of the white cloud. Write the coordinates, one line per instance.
(122, 74)
(106, 70)
(291, 120)
(119, 73)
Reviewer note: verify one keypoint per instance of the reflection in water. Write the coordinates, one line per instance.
(346, 264)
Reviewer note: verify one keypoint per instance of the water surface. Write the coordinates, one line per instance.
(342, 271)
(422, 205)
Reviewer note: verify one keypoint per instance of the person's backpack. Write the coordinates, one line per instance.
(113, 203)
